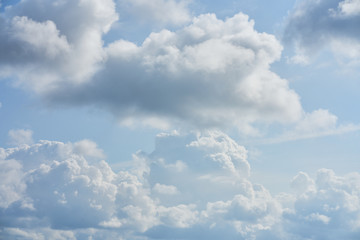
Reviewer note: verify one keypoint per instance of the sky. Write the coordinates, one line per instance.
(179, 119)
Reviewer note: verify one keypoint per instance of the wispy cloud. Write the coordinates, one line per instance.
(319, 123)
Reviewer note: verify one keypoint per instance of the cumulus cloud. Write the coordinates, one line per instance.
(313, 25)
(46, 43)
(209, 73)
(329, 207)
(45, 183)
(51, 190)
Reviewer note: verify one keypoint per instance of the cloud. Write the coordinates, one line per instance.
(315, 124)
(88, 149)
(18, 137)
(209, 73)
(45, 183)
(11, 187)
(328, 209)
(46, 43)
(349, 7)
(332, 25)
(51, 190)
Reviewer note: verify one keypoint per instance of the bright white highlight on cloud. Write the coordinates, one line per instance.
(47, 43)
(350, 7)
(39, 36)
(50, 190)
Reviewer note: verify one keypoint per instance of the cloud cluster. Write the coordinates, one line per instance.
(209, 73)
(47, 43)
(54, 190)
(325, 208)
(331, 23)
(62, 186)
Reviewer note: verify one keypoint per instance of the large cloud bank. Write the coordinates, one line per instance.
(209, 73)
(193, 186)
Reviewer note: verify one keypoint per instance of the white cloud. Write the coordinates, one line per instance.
(88, 148)
(46, 43)
(39, 36)
(330, 211)
(166, 195)
(302, 183)
(319, 119)
(18, 137)
(53, 180)
(349, 7)
(315, 124)
(11, 186)
(211, 73)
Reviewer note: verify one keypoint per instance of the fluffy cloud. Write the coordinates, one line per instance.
(331, 23)
(53, 190)
(46, 43)
(326, 208)
(210, 73)
(45, 183)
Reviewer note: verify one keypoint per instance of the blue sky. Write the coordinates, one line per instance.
(179, 119)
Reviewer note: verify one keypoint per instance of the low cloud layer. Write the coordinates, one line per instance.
(54, 190)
